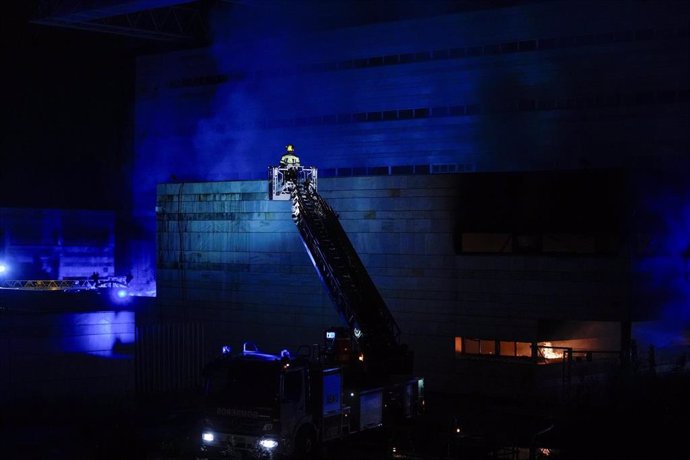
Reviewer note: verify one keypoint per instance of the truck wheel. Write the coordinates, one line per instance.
(305, 444)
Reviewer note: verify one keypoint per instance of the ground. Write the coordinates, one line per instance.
(639, 418)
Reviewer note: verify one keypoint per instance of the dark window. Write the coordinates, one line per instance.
(527, 104)
(547, 104)
(492, 49)
(405, 58)
(566, 42)
(600, 39)
(646, 34)
(473, 109)
(440, 54)
(396, 170)
(406, 113)
(541, 212)
(374, 116)
(528, 45)
(585, 40)
(666, 97)
(421, 113)
(457, 53)
(486, 243)
(439, 111)
(344, 118)
(546, 43)
(509, 47)
(624, 36)
(527, 243)
(422, 56)
(421, 169)
(612, 100)
(378, 171)
(390, 115)
(475, 50)
(457, 110)
(645, 97)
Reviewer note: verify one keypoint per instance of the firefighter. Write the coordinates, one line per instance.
(290, 162)
(289, 158)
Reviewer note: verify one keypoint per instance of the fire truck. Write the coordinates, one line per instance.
(260, 405)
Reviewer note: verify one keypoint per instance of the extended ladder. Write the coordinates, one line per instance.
(351, 289)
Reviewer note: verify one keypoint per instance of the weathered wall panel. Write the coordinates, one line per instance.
(254, 285)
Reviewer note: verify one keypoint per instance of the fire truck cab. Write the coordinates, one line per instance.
(263, 406)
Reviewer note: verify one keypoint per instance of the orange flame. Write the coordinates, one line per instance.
(548, 352)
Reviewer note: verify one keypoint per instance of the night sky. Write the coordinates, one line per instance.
(66, 116)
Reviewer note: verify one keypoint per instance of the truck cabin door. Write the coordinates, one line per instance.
(292, 401)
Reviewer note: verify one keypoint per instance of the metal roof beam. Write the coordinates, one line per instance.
(177, 21)
(66, 12)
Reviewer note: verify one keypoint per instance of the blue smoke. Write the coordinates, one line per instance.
(663, 268)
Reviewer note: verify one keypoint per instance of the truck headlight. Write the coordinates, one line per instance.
(207, 436)
(268, 444)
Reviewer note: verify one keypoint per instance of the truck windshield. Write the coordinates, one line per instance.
(243, 384)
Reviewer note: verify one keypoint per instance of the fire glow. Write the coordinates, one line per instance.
(549, 352)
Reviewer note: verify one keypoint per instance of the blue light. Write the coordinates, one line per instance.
(103, 333)
(207, 437)
(119, 296)
(3, 268)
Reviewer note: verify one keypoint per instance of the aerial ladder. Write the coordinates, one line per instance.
(80, 284)
(371, 326)
(360, 379)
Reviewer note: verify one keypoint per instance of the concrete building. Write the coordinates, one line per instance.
(501, 172)
(511, 173)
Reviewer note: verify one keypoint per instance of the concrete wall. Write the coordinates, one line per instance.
(229, 256)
